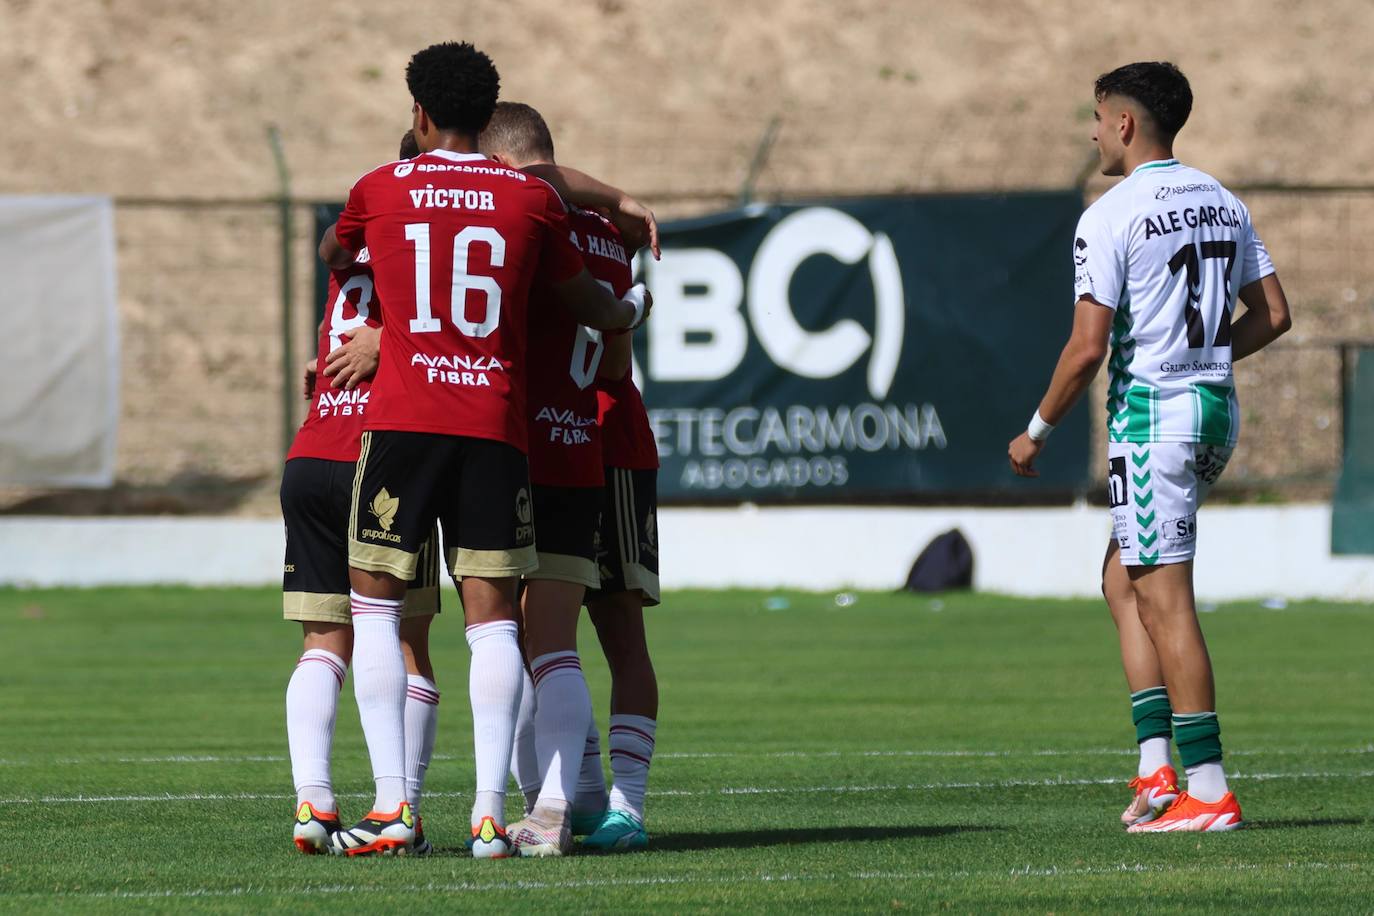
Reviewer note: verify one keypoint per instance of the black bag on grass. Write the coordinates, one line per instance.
(946, 563)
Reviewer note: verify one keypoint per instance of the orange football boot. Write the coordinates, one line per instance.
(314, 830)
(1153, 794)
(1188, 815)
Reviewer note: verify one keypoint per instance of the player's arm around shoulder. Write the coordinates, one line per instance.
(617, 357)
(343, 240)
(332, 252)
(634, 221)
(598, 308)
(589, 301)
(1078, 364)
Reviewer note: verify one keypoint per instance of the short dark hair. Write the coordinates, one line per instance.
(518, 131)
(409, 148)
(455, 84)
(1157, 86)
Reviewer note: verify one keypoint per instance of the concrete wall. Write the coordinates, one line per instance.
(1244, 551)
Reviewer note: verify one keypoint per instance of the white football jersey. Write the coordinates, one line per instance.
(1168, 249)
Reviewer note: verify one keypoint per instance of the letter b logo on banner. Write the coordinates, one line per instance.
(699, 334)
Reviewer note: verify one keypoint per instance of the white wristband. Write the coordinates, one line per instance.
(635, 297)
(1038, 429)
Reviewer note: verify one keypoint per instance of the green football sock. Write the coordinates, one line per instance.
(1150, 711)
(1198, 736)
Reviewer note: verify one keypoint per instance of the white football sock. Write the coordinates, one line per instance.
(422, 718)
(379, 683)
(524, 761)
(562, 714)
(1207, 782)
(312, 698)
(495, 682)
(1154, 753)
(591, 782)
(632, 749)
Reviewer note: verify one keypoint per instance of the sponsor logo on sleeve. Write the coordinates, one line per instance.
(1082, 279)
(1080, 252)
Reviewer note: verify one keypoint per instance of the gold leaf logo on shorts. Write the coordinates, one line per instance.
(384, 506)
(524, 512)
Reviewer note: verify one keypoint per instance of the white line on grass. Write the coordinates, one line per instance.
(679, 793)
(727, 755)
(299, 891)
(1057, 752)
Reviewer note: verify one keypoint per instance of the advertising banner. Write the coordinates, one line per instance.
(873, 348)
(864, 349)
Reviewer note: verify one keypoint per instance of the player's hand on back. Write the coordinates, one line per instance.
(1022, 453)
(308, 381)
(637, 225)
(355, 360)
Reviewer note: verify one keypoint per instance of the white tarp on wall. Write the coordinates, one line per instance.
(59, 403)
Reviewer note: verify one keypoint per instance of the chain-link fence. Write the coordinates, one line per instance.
(1292, 395)
(206, 401)
(201, 375)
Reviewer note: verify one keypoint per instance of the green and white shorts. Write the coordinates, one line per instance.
(1154, 490)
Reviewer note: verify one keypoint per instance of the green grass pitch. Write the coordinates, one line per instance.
(967, 752)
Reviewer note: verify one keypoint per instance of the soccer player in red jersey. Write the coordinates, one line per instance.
(455, 241)
(566, 471)
(317, 484)
(627, 558)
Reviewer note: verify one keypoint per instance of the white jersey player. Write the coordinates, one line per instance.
(1190, 248)
(1160, 262)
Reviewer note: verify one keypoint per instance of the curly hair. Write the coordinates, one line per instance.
(409, 148)
(1157, 86)
(455, 84)
(518, 131)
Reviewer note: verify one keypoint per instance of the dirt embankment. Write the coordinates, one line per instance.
(170, 99)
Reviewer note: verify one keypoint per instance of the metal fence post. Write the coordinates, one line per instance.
(760, 157)
(288, 362)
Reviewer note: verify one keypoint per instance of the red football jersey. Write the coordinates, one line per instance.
(565, 448)
(455, 241)
(627, 439)
(335, 422)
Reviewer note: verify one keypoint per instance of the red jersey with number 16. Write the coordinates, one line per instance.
(456, 240)
(565, 444)
(335, 422)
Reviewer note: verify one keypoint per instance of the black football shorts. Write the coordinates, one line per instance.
(315, 497)
(566, 521)
(477, 489)
(627, 540)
